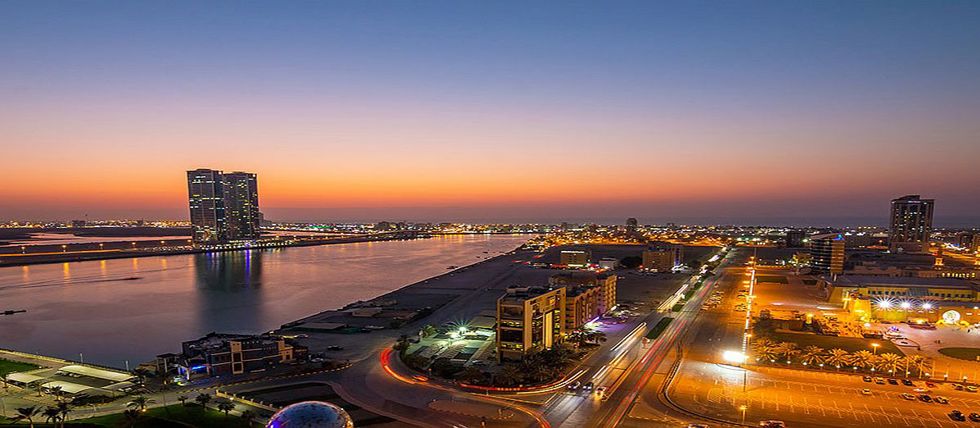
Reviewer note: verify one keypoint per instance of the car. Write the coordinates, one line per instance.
(908, 396)
(929, 384)
(772, 424)
(957, 387)
(907, 382)
(941, 400)
(866, 391)
(335, 348)
(588, 386)
(920, 390)
(880, 380)
(970, 388)
(601, 391)
(867, 378)
(574, 385)
(957, 415)
(925, 398)
(975, 417)
(892, 382)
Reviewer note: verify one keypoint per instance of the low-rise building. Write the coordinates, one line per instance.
(529, 320)
(898, 289)
(663, 258)
(575, 258)
(230, 354)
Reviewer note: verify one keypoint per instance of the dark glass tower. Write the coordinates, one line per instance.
(911, 223)
(242, 205)
(205, 192)
(224, 207)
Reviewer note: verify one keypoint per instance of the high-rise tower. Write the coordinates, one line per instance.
(911, 223)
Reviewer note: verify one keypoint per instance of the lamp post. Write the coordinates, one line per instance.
(875, 346)
(743, 408)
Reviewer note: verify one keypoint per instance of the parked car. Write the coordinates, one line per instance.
(772, 424)
(970, 388)
(908, 396)
(866, 391)
(925, 398)
(941, 400)
(867, 378)
(907, 382)
(975, 417)
(957, 387)
(880, 380)
(930, 384)
(957, 415)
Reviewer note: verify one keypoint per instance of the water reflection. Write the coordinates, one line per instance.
(133, 309)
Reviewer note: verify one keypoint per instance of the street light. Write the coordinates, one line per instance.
(743, 408)
(875, 346)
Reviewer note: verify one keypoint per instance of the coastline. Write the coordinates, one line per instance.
(14, 260)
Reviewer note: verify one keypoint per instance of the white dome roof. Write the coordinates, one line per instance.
(311, 414)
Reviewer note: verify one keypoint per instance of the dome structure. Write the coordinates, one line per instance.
(311, 414)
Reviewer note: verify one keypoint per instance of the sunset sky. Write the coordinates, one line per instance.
(725, 111)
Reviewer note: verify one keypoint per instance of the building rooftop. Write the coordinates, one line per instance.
(870, 280)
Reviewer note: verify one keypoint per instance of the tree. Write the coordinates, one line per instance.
(838, 357)
(64, 409)
(182, 399)
(139, 402)
(141, 375)
(248, 416)
(51, 414)
(203, 399)
(766, 349)
(225, 407)
(510, 375)
(787, 350)
(863, 359)
(890, 362)
(812, 355)
(131, 416)
(57, 392)
(27, 414)
(470, 375)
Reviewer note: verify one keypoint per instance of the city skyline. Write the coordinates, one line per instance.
(683, 112)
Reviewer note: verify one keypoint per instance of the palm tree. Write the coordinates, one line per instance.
(812, 355)
(890, 362)
(765, 349)
(470, 375)
(28, 414)
(139, 402)
(838, 357)
(64, 409)
(182, 399)
(225, 407)
(203, 399)
(51, 414)
(510, 375)
(787, 350)
(863, 358)
(248, 416)
(57, 392)
(131, 416)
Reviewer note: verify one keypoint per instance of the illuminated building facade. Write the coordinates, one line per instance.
(529, 320)
(575, 258)
(663, 259)
(911, 223)
(827, 253)
(223, 207)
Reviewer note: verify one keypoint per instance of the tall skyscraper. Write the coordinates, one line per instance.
(223, 207)
(827, 253)
(911, 223)
(241, 205)
(205, 193)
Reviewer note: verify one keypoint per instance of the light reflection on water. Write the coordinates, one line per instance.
(133, 309)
